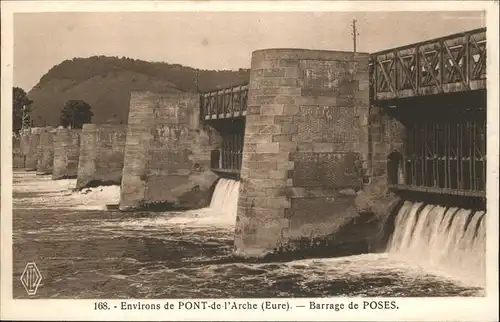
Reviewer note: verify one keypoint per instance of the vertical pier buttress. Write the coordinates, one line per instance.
(306, 138)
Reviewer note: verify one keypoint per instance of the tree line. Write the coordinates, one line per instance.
(73, 115)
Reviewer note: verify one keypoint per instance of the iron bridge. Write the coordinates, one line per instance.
(445, 147)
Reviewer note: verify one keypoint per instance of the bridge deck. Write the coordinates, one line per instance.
(455, 63)
(224, 104)
(449, 64)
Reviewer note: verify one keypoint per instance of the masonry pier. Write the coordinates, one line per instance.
(45, 158)
(167, 154)
(32, 148)
(66, 153)
(24, 145)
(305, 140)
(101, 155)
(17, 153)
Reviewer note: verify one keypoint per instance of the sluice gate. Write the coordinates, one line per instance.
(225, 110)
(227, 159)
(446, 154)
(437, 90)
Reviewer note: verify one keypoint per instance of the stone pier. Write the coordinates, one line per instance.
(167, 154)
(306, 140)
(25, 145)
(101, 155)
(66, 153)
(32, 149)
(17, 154)
(45, 158)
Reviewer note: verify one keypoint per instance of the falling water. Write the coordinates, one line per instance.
(225, 197)
(221, 213)
(445, 238)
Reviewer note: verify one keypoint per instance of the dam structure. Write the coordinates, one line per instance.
(334, 152)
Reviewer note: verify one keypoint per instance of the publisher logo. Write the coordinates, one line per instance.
(31, 278)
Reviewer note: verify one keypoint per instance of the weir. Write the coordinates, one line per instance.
(292, 118)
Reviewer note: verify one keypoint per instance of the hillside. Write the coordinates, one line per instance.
(106, 82)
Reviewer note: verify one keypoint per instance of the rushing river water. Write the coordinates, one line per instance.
(85, 251)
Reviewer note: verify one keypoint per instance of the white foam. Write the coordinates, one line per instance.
(31, 182)
(443, 239)
(42, 192)
(221, 213)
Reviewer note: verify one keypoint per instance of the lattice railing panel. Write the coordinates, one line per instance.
(454, 63)
(225, 103)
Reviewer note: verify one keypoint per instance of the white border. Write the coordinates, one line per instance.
(422, 309)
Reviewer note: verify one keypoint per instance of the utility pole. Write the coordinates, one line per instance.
(354, 34)
(25, 121)
(196, 81)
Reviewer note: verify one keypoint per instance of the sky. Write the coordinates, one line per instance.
(213, 40)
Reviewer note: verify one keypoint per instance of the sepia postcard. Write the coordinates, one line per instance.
(249, 160)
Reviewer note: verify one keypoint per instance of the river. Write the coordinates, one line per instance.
(85, 251)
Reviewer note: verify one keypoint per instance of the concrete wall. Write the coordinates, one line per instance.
(32, 148)
(167, 154)
(306, 140)
(66, 153)
(45, 158)
(101, 155)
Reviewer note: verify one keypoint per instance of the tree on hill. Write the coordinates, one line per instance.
(75, 113)
(20, 100)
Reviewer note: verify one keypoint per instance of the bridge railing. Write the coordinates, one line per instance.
(224, 103)
(454, 63)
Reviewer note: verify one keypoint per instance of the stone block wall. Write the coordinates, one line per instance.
(66, 153)
(305, 149)
(45, 152)
(387, 136)
(25, 144)
(386, 141)
(102, 149)
(32, 151)
(17, 155)
(167, 153)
